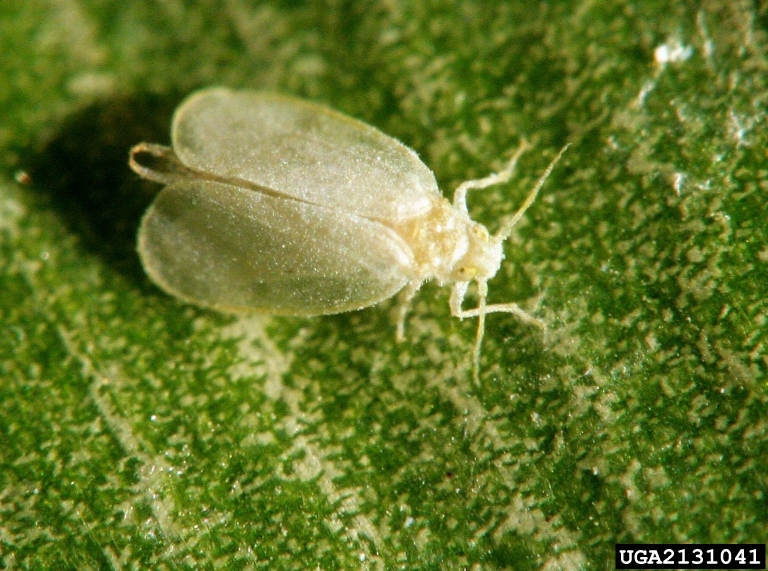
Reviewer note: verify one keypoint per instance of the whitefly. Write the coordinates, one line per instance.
(279, 205)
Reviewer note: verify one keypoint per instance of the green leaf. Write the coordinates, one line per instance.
(137, 432)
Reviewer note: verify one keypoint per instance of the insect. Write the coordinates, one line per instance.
(279, 205)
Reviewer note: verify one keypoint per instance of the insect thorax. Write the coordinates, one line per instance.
(449, 246)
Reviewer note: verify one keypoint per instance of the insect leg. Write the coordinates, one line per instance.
(407, 296)
(460, 196)
(457, 297)
(502, 308)
(458, 292)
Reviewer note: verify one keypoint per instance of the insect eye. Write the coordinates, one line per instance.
(467, 272)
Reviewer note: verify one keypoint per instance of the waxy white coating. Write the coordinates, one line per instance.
(279, 205)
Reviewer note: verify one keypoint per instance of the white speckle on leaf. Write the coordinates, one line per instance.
(672, 51)
(645, 90)
(679, 179)
(91, 84)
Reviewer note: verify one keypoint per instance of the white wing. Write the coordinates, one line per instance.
(240, 250)
(303, 150)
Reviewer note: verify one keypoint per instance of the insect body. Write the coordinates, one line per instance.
(278, 205)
